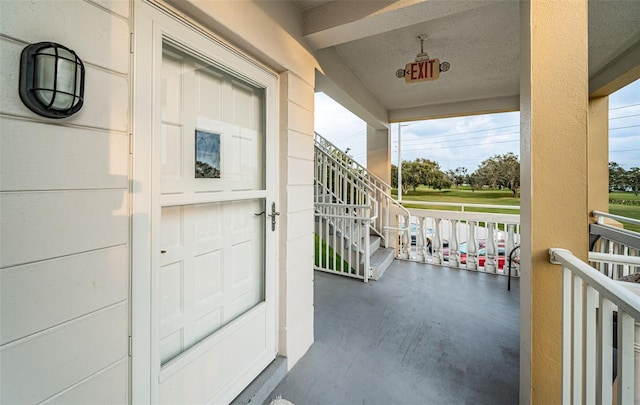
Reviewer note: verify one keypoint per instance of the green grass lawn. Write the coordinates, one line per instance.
(461, 195)
(629, 211)
(321, 254)
(502, 197)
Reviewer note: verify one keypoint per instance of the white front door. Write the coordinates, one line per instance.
(204, 182)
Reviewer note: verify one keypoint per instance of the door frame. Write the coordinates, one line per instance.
(154, 21)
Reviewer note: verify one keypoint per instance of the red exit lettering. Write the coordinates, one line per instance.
(423, 70)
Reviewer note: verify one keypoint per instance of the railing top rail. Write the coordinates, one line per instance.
(452, 204)
(616, 217)
(625, 237)
(613, 290)
(467, 216)
(341, 205)
(378, 179)
(615, 259)
(355, 178)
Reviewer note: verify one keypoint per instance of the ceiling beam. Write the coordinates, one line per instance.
(456, 109)
(339, 82)
(616, 74)
(338, 22)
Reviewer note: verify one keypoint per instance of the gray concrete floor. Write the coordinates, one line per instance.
(421, 335)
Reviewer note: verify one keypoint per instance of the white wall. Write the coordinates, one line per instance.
(64, 212)
(296, 227)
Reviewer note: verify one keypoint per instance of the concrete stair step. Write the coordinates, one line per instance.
(380, 261)
(374, 243)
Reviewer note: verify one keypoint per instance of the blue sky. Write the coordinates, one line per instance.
(467, 141)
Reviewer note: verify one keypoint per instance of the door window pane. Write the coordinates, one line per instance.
(212, 136)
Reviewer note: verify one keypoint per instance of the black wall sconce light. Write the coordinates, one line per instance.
(51, 80)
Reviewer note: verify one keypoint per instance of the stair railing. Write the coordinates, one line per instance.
(381, 223)
(341, 197)
(607, 239)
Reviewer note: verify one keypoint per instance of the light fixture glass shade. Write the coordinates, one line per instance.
(51, 80)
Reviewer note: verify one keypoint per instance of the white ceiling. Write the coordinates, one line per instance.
(479, 38)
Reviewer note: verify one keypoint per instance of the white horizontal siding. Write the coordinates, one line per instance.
(300, 224)
(39, 226)
(300, 171)
(38, 296)
(64, 215)
(106, 387)
(67, 158)
(300, 119)
(300, 145)
(299, 198)
(120, 7)
(106, 94)
(43, 365)
(299, 338)
(97, 36)
(299, 260)
(303, 297)
(301, 92)
(296, 279)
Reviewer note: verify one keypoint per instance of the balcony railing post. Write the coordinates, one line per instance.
(404, 245)
(490, 261)
(472, 247)
(436, 244)
(510, 244)
(420, 240)
(454, 255)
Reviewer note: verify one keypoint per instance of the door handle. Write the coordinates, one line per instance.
(273, 216)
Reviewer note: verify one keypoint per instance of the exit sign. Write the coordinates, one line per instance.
(428, 69)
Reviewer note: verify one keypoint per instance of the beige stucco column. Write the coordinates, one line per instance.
(379, 152)
(554, 156)
(598, 153)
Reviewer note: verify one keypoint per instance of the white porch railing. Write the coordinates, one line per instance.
(378, 189)
(462, 206)
(591, 302)
(345, 207)
(343, 239)
(469, 240)
(607, 240)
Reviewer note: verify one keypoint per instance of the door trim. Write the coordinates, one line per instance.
(154, 22)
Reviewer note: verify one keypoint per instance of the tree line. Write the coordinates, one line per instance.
(620, 179)
(497, 172)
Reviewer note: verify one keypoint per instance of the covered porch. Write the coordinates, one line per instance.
(421, 334)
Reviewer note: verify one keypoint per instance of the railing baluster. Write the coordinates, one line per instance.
(421, 251)
(367, 240)
(404, 254)
(490, 261)
(589, 349)
(605, 351)
(454, 256)
(577, 339)
(334, 236)
(625, 374)
(472, 246)
(343, 243)
(436, 244)
(509, 245)
(566, 336)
